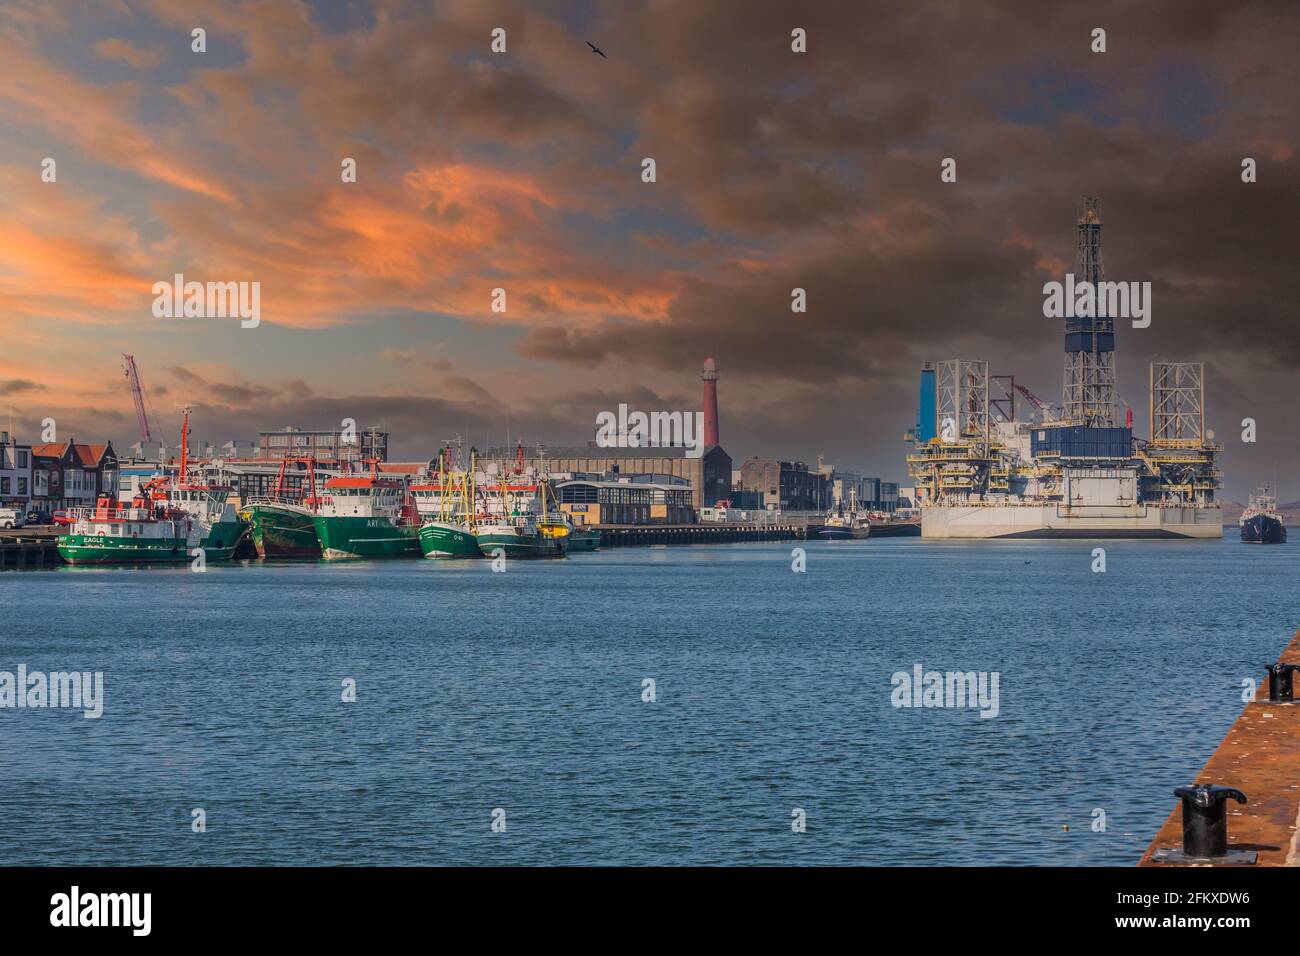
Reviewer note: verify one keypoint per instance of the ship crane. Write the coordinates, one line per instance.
(1034, 400)
(137, 393)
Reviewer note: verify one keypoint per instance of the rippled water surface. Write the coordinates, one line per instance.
(523, 691)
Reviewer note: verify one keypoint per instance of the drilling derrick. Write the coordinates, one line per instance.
(1089, 394)
(1179, 457)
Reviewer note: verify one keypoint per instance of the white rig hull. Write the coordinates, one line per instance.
(1053, 520)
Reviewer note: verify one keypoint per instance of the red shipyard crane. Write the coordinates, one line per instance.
(137, 392)
(1042, 406)
(1034, 400)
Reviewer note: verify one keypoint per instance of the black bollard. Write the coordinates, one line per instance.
(1205, 818)
(1279, 682)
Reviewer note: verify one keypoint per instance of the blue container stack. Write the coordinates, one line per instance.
(1081, 441)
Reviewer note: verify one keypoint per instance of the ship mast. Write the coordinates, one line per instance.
(185, 445)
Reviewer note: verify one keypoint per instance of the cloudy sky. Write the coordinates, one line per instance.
(522, 170)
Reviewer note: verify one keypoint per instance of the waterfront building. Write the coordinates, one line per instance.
(743, 500)
(888, 500)
(71, 475)
(147, 451)
(15, 473)
(630, 500)
(844, 491)
(237, 449)
(785, 485)
(325, 444)
(160, 453)
(709, 476)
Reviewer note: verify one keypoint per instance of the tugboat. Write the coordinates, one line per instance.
(447, 528)
(284, 526)
(366, 517)
(1260, 522)
(166, 522)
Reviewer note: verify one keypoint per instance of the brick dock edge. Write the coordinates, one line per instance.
(1260, 756)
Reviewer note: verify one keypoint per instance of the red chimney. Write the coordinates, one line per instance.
(710, 377)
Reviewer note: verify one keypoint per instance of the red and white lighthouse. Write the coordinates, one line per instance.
(710, 377)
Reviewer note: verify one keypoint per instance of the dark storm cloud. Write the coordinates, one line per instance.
(776, 170)
(829, 162)
(18, 386)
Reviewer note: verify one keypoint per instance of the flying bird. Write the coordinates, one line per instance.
(596, 49)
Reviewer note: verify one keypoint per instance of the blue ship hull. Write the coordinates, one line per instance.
(1262, 529)
(841, 534)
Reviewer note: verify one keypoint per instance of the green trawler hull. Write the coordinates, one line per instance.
(356, 537)
(283, 532)
(520, 546)
(439, 539)
(219, 545)
(584, 539)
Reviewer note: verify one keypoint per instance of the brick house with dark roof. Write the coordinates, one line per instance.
(70, 475)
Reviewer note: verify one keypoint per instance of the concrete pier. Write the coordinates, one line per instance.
(615, 536)
(1261, 757)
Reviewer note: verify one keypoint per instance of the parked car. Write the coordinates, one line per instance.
(36, 516)
(9, 518)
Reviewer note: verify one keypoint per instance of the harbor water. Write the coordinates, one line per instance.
(524, 691)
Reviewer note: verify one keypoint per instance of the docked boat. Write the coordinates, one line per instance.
(521, 537)
(845, 528)
(445, 539)
(892, 526)
(446, 510)
(1261, 523)
(141, 532)
(168, 520)
(282, 525)
(515, 520)
(846, 525)
(366, 517)
(583, 538)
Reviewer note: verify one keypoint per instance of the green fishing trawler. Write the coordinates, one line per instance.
(445, 506)
(439, 539)
(519, 538)
(282, 529)
(517, 523)
(168, 521)
(282, 526)
(365, 517)
(141, 532)
(583, 538)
